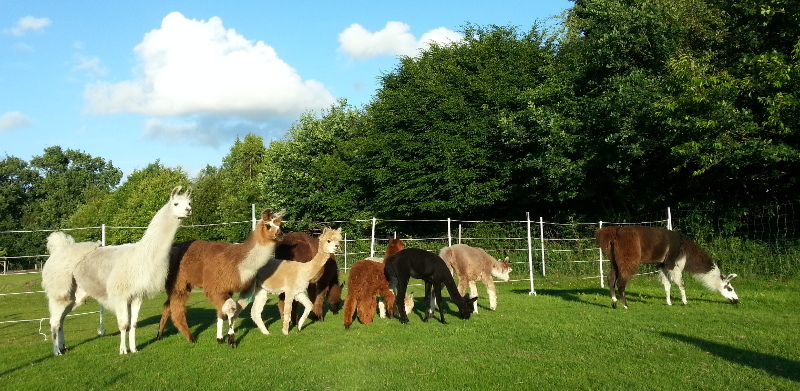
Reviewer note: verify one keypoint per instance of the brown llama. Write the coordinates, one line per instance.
(672, 252)
(301, 247)
(220, 269)
(473, 264)
(367, 279)
(291, 278)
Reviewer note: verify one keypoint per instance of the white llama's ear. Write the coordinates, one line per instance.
(175, 191)
(188, 192)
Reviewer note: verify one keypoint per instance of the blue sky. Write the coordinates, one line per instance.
(177, 81)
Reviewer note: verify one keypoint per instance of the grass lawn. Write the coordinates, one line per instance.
(567, 337)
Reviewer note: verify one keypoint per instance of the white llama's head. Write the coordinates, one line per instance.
(501, 269)
(180, 205)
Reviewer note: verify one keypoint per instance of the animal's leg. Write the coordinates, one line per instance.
(136, 305)
(437, 290)
(390, 299)
(612, 285)
(307, 307)
(428, 299)
(664, 276)
(677, 278)
(259, 300)
(381, 307)
(317, 296)
(177, 312)
(402, 286)
(366, 310)
(349, 309)
(491, 291)
(622, 281)
(165, 314)
(287, 315)
(230, 309)
(473, 292)
(123, 323)
(59, 308)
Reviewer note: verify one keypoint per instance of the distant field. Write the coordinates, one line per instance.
(566, 337)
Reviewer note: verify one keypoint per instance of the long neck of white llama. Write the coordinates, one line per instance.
(161, 231)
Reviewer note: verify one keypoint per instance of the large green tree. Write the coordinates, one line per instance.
(439, 144)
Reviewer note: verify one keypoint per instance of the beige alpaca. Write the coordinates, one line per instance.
(292, 278)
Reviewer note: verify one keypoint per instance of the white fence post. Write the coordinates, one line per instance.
(530, 253)
(102, 234)
(345, 250)
(600, 250)
(372, 241)
(459, 233)
(449, 234)
(253, 216)
(669, 218)
(541, 236)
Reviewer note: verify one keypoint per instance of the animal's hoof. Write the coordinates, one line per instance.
(220, 340)
(347, 327)
(404, 321)
(614, 305)
(192, 340)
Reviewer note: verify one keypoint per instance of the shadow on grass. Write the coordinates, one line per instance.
(583, 296)
(46, 357)
(769, 363)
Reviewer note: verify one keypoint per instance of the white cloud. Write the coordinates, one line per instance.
(90, 65)
(394, 39)
(13, 120)
(29, 23)
(189, 67)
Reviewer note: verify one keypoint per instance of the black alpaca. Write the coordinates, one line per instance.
(429, 267)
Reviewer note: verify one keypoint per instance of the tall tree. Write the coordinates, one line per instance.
(67, 180)
(438, 146)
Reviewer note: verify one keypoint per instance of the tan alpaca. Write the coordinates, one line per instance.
(292, 278)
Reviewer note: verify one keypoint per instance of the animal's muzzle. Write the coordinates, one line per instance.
(734, 301)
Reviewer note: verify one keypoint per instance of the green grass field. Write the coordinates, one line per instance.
(566, 337)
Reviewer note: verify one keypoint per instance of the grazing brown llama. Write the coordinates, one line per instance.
(366, 281)
(221, 269)
(292, 278)
(429, 267)
(473, 264)
(671, 251)
(301, 247)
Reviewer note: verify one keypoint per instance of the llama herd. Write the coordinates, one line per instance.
(300, 268)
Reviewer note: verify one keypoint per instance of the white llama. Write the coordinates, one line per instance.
(292, 278)
(119, 277)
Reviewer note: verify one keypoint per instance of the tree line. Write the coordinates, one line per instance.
(622, 107)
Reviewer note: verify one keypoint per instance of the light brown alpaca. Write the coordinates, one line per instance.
(367, 279)
(473, 264)
(301, 247)
(220, 269)
(291, 278)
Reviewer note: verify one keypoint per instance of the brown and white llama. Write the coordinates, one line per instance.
(291, 278)
(119, 277)
(221, 269)
(473, 264)
(673, 252)
(429, 267)
(301, 247)
(365, 280)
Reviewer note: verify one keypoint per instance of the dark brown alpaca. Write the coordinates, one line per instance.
(366, 280)
(300, 247)
(221, 269)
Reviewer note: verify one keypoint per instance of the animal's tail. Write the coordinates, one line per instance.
(58, 240)
(606, 239)
(65, 255)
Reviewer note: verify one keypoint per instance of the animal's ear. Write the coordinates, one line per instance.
(175, 191)
(188, 193)
(265, 214)
(729, 277)
(506, 260)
